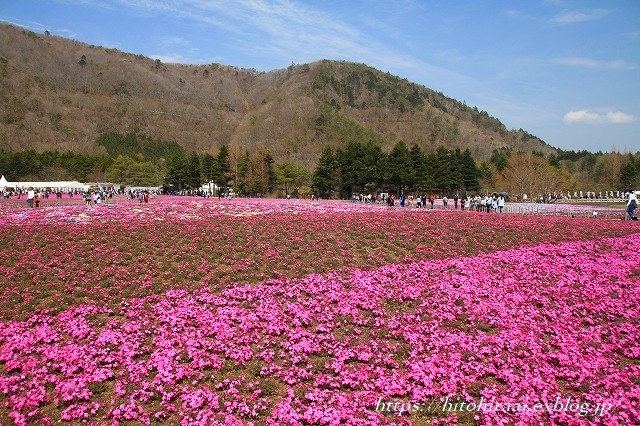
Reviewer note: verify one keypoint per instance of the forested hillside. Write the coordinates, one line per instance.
(60, 94)
(65, 107)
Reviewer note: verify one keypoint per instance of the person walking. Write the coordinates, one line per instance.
(487, 203)
(31, 194)
(501, 203)
(632, 204)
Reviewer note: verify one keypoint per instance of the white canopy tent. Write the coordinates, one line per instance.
(67, 185)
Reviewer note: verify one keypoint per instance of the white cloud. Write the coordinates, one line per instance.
(577, 16)
(619, 117)
(167, 59)
(284, 29)
(592, 63)
(581, 116)
(585, 116)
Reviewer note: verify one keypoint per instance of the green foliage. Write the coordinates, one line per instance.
(444, 165)
(338, 127)
(183, 172)
(401, 171)
(30, 165)
(415, 99)
(630, 173)
(56, 119)
(485, 171)
(138, 146)
(356, 84)
(365, 168)
(224, 167)
(177, 174)
(500, 158)
(360, 168)
(588, 163)
(127, 171)
(325, 176)
(483, 119)
(573, 155)
(423, 178)
(291, 176)
(209, 168)
(470, 171)
(194, 175)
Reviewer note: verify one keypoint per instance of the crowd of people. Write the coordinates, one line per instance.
(35, 196)
(142, 195)
(490, 202)
(20, 193)
(582, 196)
(494, 202)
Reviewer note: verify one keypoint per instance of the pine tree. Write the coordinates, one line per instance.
(193, 172)
(324, 178)
(209, 167)
(401, 171)
(423, 180)
(177, 172)
(224, 167)
(470, 171)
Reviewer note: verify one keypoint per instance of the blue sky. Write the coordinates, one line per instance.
(567, 71)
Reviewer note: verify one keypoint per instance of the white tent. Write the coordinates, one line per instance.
(61, 185)
(65, 185)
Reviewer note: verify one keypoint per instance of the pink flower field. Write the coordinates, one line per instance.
(285, 312)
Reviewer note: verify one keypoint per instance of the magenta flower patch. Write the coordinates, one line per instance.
(414, 332)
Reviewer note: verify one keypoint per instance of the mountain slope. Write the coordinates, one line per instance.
(60, 94)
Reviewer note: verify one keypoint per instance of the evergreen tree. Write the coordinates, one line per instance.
(243, 175)
(455, 169)
(194, 175)
(349, 162)
(209, 167)
(374, 169)
(223, 166)
(177, 175)
(470, 171)
(423, 180)
(401, 171)
(324, 178)
(439, 161)
(630, 174)
(361, 168)
(500, 158)
(269, 171)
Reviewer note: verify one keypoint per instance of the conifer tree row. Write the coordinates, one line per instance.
(364, 168)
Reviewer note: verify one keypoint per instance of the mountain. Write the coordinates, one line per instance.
(61, 94)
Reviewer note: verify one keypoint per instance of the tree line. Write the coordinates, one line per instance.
(365, 168)
(355, 167)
